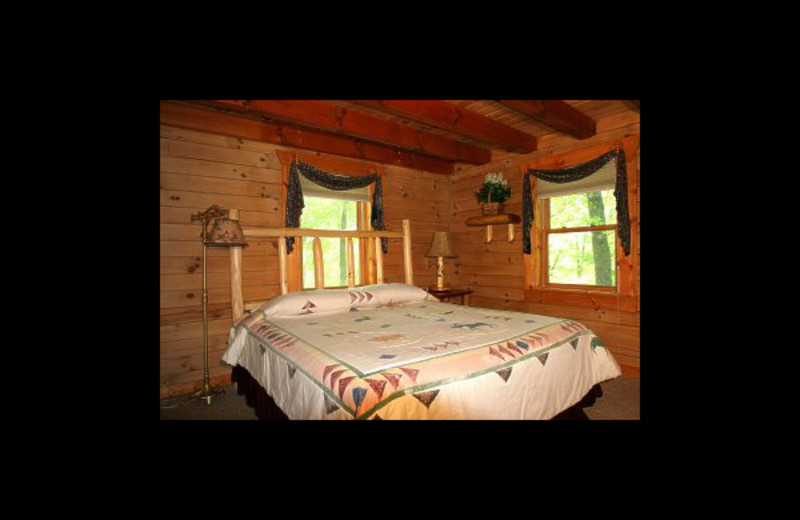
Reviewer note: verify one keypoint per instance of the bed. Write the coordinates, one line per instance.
(390, 351)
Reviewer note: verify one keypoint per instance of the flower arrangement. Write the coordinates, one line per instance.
(493, 194)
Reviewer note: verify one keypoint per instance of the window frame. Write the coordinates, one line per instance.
(339, 166)
(545, 257)
(628, 278)
(362, 224)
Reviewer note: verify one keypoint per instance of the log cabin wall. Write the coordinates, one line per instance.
(198, 169)
(495, 271)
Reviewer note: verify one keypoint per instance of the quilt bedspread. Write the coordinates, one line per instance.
(360, 363)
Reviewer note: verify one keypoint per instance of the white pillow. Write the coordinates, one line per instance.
(307, 302)
(394, 293)
(337, 300)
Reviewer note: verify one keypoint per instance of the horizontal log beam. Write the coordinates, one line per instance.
(255, 232)
(446, 116)
(323, 115)
(212, 121)
(556, 114)
(632, 103)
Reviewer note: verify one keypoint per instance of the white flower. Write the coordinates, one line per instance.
(495, 178)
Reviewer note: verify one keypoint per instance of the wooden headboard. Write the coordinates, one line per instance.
(237, 300)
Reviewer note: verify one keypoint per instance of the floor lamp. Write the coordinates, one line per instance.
(225, 233)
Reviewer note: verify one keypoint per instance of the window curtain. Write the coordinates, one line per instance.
(294, 195)
(574, 173)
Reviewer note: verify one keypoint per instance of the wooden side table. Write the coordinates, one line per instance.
(447, 294)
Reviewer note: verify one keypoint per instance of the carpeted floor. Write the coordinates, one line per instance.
(620, 401)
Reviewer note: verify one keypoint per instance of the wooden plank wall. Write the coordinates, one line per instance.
(496, 271)
(200, 169)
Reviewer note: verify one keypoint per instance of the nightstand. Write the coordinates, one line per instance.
(447, 294)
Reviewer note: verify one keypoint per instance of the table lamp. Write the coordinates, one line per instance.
(441, 249)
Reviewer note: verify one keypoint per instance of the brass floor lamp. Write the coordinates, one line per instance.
(225, 233)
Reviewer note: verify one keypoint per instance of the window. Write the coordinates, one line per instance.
(576, 255)
(329, 213)
(580, 240)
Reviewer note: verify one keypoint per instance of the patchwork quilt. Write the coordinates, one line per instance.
(413, 357)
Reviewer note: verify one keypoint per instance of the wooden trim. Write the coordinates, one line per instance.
(326, 116)
(337, 165)
(216, 122)
(294, 274)
(449, 117)
(605, 227)
(579, 287)
(597, 300)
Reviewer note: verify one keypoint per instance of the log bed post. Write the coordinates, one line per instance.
(351, 263)
(240, 306)
(319, 268)
(283, 265)
(237, 299)
(378, 260)
(409, 271)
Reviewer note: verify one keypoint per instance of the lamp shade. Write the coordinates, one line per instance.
(440, 246)
(226, 233)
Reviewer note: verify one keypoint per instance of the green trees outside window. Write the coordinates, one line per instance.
(584, 256)
(322, 213)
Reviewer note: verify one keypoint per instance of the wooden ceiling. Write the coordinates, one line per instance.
(430, 135)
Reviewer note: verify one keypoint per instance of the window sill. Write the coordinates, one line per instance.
(582, 298)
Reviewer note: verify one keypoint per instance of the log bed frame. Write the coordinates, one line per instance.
(255, 395)
(238, 304)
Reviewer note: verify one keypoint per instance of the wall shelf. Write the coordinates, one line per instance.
(490, 220)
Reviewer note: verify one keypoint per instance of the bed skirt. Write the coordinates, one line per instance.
(266, 409)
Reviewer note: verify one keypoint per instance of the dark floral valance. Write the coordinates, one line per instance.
(575, 173)
(294, 195)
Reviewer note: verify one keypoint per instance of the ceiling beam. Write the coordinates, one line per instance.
(330, 117)
(556, 114)
(450, 118)
(632, 103)
(213, 121)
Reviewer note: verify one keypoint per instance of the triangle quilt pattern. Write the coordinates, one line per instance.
(308, 307)
(542, 358)
(358, 395)
(410, 372)
(504, 373)
(377, 386)
(343, 382)
(330, 406)
(392, 378)
(426, 398)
